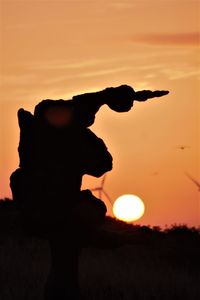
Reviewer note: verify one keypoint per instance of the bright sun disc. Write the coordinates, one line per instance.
(128, 208)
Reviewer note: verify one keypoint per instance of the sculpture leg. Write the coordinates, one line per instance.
(62, 282)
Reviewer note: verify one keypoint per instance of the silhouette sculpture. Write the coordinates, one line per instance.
(56, 149)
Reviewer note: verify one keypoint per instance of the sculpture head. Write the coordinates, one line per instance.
(56, 113)
(58, 116)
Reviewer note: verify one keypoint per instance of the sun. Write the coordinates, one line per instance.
(128, 208)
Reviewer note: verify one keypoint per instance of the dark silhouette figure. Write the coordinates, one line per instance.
(56, 149)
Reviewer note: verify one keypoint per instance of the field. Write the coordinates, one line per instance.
(167, 268)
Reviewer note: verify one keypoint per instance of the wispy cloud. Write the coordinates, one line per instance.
(192, 38)
(65, 64)
(18, 79)
(174, 74)
(86, 74)
(119, 4)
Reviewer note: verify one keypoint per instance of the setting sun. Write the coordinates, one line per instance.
(128, 208)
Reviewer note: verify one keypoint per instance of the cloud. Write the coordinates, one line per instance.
(63, 64)
(119, 4)
(18, 79)
(86, 74)
(192, 38)
(174, 74)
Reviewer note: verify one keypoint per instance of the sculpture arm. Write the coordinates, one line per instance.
(87, 105)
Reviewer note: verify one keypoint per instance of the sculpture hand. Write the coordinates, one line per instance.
(147, 94)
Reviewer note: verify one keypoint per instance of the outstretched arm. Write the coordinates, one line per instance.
(87, 105)
(119, 99)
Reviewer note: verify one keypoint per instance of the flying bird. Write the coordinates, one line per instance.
(197, 183)
(182, 147)
(101, 190)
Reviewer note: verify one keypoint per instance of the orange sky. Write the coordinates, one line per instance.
(56, 49)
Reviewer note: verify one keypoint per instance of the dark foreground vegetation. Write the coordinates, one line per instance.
(166, 268)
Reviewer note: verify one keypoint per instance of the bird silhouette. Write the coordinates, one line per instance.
(197, 183)
(182, 147)
(101, 190)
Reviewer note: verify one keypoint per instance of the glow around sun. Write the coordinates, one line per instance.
(128, 208)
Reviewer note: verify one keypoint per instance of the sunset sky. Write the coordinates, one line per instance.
(57, 49)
